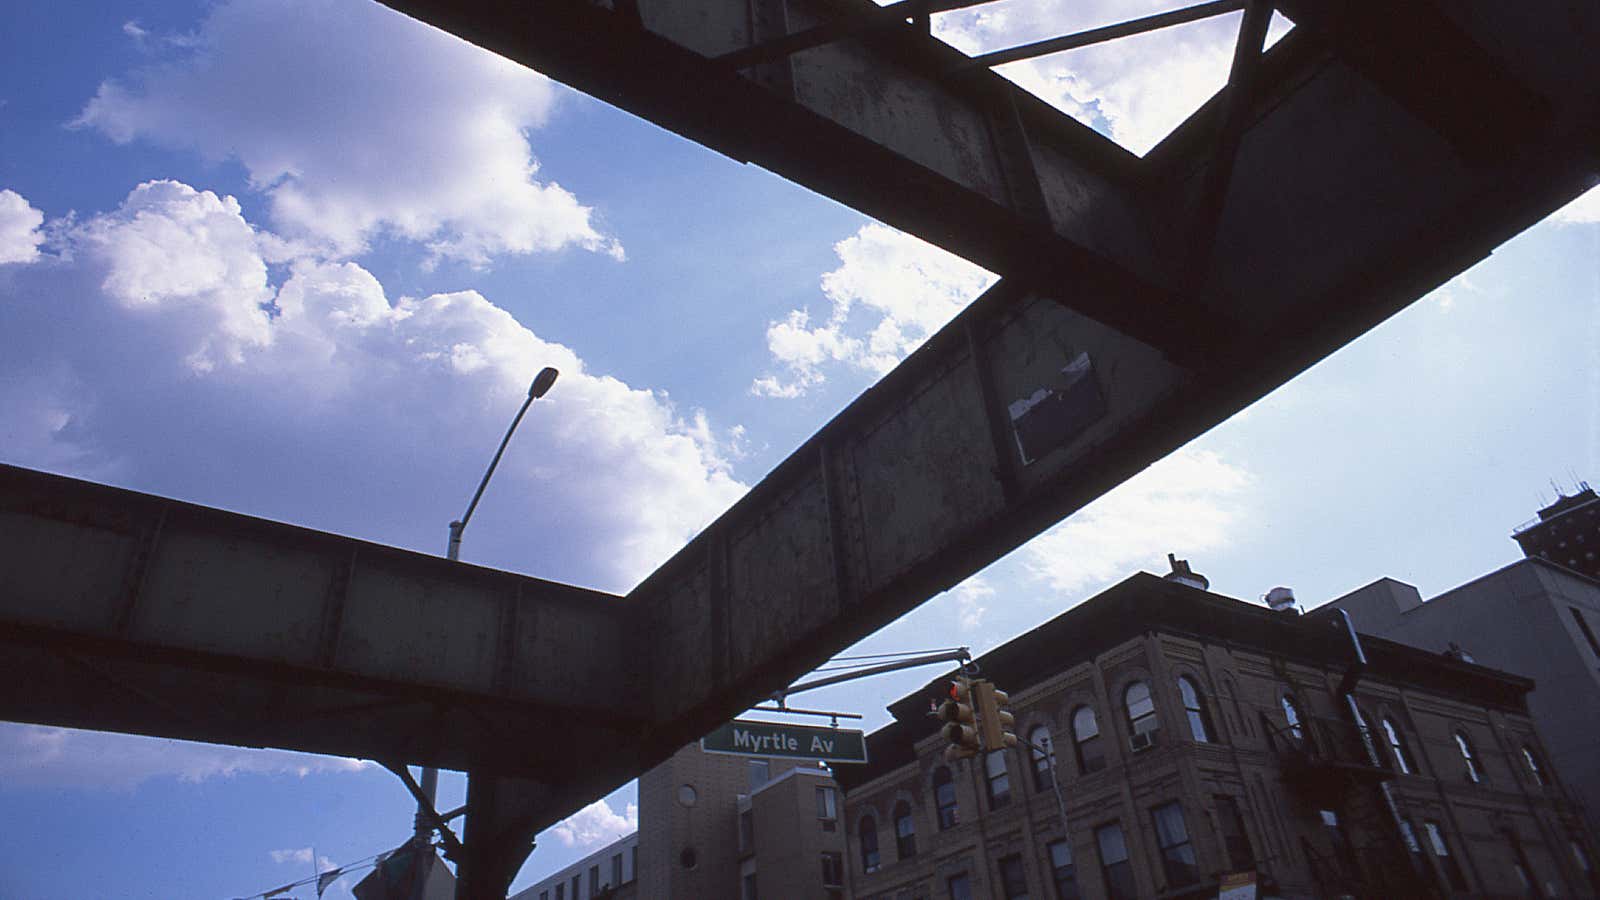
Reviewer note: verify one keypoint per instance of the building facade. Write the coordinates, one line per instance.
(719, 826)
(1177, 738)
(1533, 617)
(606, 874)
(1567, 533)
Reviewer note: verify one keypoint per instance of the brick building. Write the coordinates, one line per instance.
(719, 826)
(1194, 736)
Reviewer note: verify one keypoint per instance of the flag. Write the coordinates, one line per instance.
(327, 878)
(283, 890)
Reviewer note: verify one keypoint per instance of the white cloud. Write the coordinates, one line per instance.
(20, 235)
(972, 601)
(889, 293)
(1190, 502)
(357, 121)
(1139, 88)
(1583, 211)
(148, 359)
(41, 756)
(596, 825)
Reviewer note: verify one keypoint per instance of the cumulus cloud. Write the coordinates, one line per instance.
(161, 353)
(1583, 211)
(596, 825)
(972, 601)
(1189, 502)
(357, 121)
(301, 856)
(40, 756)
(1135, 89)
(20, 234)
(889, 293)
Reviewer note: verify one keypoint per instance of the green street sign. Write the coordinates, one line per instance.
(742, 738)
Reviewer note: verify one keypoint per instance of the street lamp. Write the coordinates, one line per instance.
(541, 386)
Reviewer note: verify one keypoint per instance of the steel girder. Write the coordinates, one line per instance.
(1143, 301)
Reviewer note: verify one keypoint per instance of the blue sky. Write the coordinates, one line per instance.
(300, 259)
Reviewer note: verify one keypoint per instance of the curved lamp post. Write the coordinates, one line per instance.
(541, 386)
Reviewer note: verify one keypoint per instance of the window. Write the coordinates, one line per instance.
(827, 808)
(747, 880)
(1013, 881)
(1195, 710)
(1441, 849)
(1114, 865)
(747, 830)
(1141, 709)
(1235, 840)
(633, 861)
(1041, 752)
(1583, 626)
(1086, 741)
(1397, 748)
(905, 831)
(1522, 868)
(594, 879)
(1582, 859)
(1408, 833)
(998, 778)
(1291, 715)
(832, 870)
(616, 868)
(561, 892)
(760, 773)
(1061, 871)
(576, 883)
(1177, 853)
(544, 895)
(1533, 765)
(867, 834)
(944, 798)
(960, 887)
(1474, 774)
(1340, 842)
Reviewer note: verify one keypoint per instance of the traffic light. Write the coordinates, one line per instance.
(995, 723)
(960, 722)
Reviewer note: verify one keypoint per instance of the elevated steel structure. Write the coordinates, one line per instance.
(1374, 152)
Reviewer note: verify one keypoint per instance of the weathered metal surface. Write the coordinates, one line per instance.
(1358, 179)
(126, 612)
(1145, 300)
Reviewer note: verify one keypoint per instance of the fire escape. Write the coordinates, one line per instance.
(1332, 768)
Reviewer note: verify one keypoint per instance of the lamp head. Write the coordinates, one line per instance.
(542, 382)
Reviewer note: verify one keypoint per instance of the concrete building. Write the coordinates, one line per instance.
(608, 873)
(1567, 532)
(1533, 617)
(1195, 738)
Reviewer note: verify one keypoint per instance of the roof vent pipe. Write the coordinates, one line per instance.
(1182, 574)
(1281, 599)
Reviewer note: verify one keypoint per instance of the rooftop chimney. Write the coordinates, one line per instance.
(1182, 574)
(1281, 599)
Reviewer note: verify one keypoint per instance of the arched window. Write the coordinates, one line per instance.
(1474, 774)
(867, 834)
(998, 777)
(905, 831)
(1291, 715)
(944, 798)
(1195, 710)
(1397, 747)
(1086, 741)
(1532, 759)
(1141, 711)
(1042, 752)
